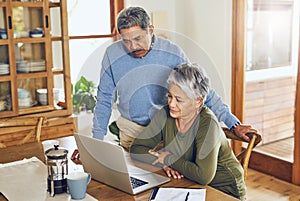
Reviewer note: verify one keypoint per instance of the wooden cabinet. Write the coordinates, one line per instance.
(34, 62)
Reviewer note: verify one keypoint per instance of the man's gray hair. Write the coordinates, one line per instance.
(192, 79)
(133, 16)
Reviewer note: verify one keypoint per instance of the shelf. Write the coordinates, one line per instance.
(29, 40)
(3, 4)
(27, 4)
(54, 4)
(3, 41)
(31, 60)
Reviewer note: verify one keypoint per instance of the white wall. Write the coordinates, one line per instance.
(203, 29)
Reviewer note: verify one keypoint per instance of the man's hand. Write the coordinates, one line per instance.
(241, 131)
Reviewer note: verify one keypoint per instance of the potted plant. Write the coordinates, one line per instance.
(83, 95)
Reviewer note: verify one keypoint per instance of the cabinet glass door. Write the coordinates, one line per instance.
(27, 22)
(3, 27)
(4, 61)
(5, 97)
(33, 92)
(30, 57)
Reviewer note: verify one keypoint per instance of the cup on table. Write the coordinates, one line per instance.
(77, 183)
(48, 144)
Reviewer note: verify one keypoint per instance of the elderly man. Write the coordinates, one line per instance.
(135, 69)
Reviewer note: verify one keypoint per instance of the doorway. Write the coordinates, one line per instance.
(268, 34)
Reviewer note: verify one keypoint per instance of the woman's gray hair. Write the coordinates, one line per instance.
(192, 79)
(133, 16)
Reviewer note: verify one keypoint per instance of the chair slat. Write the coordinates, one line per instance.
(245, 155)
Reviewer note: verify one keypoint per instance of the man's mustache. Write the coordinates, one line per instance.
(137, 50)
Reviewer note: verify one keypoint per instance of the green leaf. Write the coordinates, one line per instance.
(83, 94)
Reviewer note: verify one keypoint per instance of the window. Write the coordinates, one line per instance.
(272, 37)
(91, 24)
(89, 17)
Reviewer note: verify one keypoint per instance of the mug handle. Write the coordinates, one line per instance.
(89, 178)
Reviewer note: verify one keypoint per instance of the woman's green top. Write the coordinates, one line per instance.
(202, 154)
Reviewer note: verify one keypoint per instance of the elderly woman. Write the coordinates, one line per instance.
(194, 145)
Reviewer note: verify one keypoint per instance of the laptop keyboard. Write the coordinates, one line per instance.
(137, 182)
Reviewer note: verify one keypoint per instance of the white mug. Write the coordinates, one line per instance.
(48, 144)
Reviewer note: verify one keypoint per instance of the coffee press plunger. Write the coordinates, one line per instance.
(57, 163)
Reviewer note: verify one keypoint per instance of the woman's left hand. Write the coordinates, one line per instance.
(172, 173)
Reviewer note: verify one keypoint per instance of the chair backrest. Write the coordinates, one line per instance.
(244, 156)
(34, 123)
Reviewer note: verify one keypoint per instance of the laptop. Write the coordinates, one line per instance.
(107, 164)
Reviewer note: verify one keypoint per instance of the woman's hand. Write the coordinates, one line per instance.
(172, 173)
(160, 156)
(160, 159)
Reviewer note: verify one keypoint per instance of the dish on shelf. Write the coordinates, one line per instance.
(42, 95)
(4, 69)
(3, 36)
(6, 72)
(36, 35)
(32, 103)
(3, 33)
(37, 65)
(22, 66)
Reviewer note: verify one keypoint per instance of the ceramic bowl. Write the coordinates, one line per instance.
(36, 33)
(3, 34)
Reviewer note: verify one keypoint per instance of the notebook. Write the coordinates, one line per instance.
(107, 164)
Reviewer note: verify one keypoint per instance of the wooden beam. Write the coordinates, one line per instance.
(276, 167)
(296, 164)
(115, 7)
(238, 63)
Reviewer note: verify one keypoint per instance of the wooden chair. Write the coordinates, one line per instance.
(33, 123)
(244, 156)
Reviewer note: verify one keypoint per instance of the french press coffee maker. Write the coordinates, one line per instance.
(57, 164)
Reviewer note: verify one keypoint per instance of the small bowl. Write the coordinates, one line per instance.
(36, 35)
(36, 31)
(42, 96)
(42, 91)
(3, 35)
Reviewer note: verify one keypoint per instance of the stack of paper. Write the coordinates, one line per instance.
(178, 194)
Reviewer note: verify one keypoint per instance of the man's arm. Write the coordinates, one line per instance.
(220, 109)
(223, 113)
(105, 98)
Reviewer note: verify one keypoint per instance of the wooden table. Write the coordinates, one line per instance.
(96, 189)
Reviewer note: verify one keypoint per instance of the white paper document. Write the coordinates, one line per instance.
(178, 194)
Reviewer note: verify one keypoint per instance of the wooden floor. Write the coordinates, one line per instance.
(282, 149)
(262, 187)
